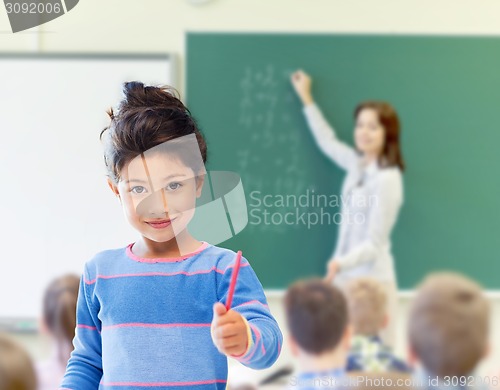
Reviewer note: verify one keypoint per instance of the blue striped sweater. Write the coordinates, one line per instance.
(146, 322)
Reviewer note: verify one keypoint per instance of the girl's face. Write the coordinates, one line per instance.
(158, 195)
(369, 134)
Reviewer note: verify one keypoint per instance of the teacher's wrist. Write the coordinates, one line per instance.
(338, 262)
(307, 99)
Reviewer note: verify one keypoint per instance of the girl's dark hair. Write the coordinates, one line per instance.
(59, 308)
(388, 118)
(148, 116)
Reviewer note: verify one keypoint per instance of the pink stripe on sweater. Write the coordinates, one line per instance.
(86, 327)
(146, 325)
(154, 274)
(206, 271)
(260, 337)
(133, 256)
(257, 339)
(257, 333)
(165, 384)
(251, 302)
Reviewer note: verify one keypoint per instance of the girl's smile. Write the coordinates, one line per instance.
(161, 223)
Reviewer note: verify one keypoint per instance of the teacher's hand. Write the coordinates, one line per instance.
(301, 82)
(332, 269)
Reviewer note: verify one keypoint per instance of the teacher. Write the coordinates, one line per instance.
(372, 193)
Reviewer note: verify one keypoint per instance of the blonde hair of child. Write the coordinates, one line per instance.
(367, 303)
(16, 367)
(449, 324)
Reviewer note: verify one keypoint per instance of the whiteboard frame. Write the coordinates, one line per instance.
(171, 57)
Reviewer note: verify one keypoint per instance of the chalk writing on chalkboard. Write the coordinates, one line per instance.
(271, 162)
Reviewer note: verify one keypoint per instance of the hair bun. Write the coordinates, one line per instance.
(137, 95)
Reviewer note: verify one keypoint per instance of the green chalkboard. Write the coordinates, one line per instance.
(447, 93)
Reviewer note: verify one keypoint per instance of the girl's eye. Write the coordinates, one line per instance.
(173, 186)
(138, 190)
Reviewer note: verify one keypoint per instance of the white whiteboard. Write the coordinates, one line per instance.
(56, 209)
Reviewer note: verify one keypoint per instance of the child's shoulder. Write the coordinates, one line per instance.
(104, 258)
(222, 257)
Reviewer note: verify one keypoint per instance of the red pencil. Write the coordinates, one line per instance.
(234, 276)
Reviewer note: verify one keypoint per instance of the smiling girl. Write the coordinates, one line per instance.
(151, 314)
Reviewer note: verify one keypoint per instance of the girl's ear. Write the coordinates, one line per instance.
(114, 188)
(412, 356)
(487, 350)
(294, 348)
(347, 337)
(200, 180)
(42, 326)
(385, 321)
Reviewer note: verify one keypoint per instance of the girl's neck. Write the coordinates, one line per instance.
(182, 244)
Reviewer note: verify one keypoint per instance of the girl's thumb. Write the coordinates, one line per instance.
(219, 309)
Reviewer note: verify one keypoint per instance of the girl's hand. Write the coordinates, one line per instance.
(301, 82)
(332, 268)
(229, 331)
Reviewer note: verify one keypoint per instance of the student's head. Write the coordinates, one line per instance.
(367, 303)
(316, 315)
(155, 156)
(449, 325)
(59, 311)
(16, 367)
(377, 132)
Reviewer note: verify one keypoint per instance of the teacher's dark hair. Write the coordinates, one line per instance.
(388, 118)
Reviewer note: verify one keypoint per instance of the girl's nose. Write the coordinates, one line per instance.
(154, 205)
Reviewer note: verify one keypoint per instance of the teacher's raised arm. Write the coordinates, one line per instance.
(372, 192)
(339, 152)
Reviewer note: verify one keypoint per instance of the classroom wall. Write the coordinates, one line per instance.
(159, 25)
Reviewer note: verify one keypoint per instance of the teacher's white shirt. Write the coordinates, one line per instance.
(371, 197)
